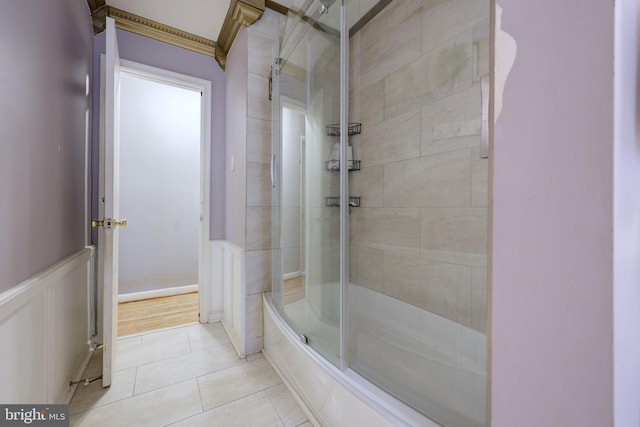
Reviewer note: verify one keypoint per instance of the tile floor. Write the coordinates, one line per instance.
(185, 376)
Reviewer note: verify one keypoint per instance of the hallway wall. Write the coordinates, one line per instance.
(159, 185)
(44, 122)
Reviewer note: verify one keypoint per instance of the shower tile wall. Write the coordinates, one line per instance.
(420, 234)
(261, 37)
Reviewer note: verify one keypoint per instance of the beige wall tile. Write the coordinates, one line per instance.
(258, 271)
(258, 104)
(481, 50)
(391, 140)
(258, 140)
(438, 180)
(371, 104)
(448, 291)
(479, 181)
(479, 299)
(451, 18)
(391, 40)
(365, 267)
(462, 230)
(254, 317)
(260, 52)
(434, 75)
(447, 114)
(392, 229)
(258, 227)
(354, 64)
(405, 278)
(368, 184)
(258, 184)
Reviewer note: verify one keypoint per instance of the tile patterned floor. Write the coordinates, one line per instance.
(185, 376)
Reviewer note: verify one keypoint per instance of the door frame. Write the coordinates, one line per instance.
(185, 81)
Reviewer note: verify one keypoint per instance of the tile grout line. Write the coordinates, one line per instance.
(274, 406)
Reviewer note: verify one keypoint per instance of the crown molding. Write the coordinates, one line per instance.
(240, 12)
(148, 28)
(276, 7)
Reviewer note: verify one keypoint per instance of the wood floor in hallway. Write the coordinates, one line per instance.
(157, 313)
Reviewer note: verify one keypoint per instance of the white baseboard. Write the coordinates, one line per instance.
(65, 395)
(157, 293)
(293, 275)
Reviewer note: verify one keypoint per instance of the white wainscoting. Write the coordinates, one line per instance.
(44, 331)
(227, 273)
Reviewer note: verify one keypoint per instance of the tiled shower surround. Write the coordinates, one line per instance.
(420, 234)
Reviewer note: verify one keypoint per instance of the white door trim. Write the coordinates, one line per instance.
(185, 81)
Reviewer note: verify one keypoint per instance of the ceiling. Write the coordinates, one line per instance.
(200, 17)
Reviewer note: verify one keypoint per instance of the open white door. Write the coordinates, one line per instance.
(108, 202)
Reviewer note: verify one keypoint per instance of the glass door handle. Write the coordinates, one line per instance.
(273, 170)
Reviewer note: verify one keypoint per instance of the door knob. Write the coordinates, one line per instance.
(109, 223)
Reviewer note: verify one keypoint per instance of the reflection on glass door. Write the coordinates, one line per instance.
(306, 230)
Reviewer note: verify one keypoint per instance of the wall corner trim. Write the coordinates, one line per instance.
(241, 12)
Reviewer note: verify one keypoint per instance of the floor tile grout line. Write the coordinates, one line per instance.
(198, 376)
(174, 356)
(274, 406)
(134, 396)
(239, 398)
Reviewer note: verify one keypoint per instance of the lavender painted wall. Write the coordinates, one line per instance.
(552, 314)
(236, 134)
(157, 54)
(46, 51)
(627, 215)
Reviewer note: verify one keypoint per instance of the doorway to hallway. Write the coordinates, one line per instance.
(161, 195)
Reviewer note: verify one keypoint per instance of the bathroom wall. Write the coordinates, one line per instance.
(145, 50)
(45, 122)
(553, 220)
(420, 234)
(249, 141)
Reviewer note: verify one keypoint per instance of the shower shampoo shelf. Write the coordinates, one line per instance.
(334, 202)
(352, 129)
(354, 165)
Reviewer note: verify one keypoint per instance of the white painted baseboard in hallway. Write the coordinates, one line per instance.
(157, 293)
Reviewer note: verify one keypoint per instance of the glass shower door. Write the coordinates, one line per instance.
(305, 220)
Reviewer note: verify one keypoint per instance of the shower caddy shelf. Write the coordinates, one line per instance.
(334, 202)
(354, 165)
(352, 129)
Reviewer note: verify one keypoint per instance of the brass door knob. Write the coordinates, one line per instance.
(109, 223)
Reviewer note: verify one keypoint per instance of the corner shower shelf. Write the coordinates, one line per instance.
(352, 129)
(334, 202)
(354, 165)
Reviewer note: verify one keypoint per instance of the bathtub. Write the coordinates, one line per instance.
(436, 364)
